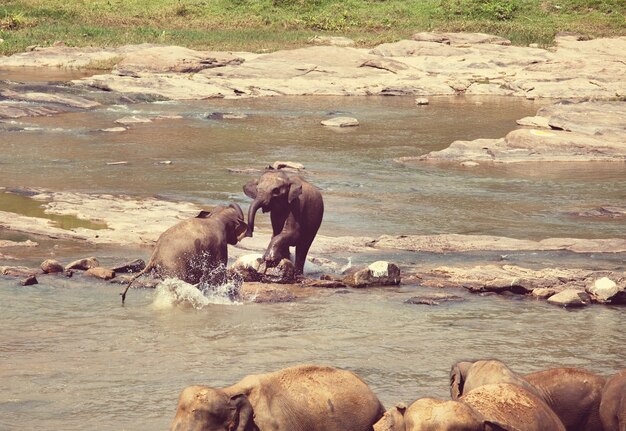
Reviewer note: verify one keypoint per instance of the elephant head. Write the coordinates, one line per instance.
(232, 218)
(201, 408)
(273, 191)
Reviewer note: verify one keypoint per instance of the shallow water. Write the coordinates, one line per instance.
(72, 358)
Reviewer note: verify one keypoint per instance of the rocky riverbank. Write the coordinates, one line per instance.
(589, 126)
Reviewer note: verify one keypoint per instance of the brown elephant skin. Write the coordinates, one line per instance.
(296, 210)
(301, 398)
(613, 403)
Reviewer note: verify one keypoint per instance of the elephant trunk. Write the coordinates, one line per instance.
(254, 207)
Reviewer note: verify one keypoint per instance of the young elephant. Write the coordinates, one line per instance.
(613, 404)
(301, 398)
(491, 407)
(296, 208)
(196, 250)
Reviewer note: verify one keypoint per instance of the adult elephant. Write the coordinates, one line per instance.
(196, 250)
(573, 394)
(301, 398)
(491, 407)
(613, 403)
(296, 208)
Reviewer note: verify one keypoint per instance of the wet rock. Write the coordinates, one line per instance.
(543, 292)
(267, 293)
(570, 298)
(51, 266)
(101, 273)
(380, 273)
(83, 264)
(114, 129)
(226, 116)
(13, 112)
(341, 122)
(133, 119)
(17, 271)
(290, 166)
(608, 212)
(36, 97)
(325, 282)
(130, 267)
(604, 289)
(422, 101)
(247, 267)
(30, 281)
(283, 273)
(432, 299)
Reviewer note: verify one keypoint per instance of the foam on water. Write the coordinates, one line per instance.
(173, 292)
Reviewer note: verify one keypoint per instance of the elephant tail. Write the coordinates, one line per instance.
(135, 277)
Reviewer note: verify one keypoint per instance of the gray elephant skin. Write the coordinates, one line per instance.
(491, 407)
(301, 398)
(196, 250)
(573, 394)
(296, 210)
(613, 403)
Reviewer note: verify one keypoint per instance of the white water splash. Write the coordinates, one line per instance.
(173, 292)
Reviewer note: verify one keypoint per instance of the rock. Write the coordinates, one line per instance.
(460, 38)
(332, 40)
(130, 267)
(101, 273)
(341, 122)
(432, 299)
(114, 129)
(283, 273)
(83, 264)
(247, 267)
(267, 293)
(380, 273)
(36, 97)
(133, 119)
(470, 164)
(30, 281)
(536, 121)
(543, 292)
(51, 266)
(291, 166)
(604, 289)
(120, 163)
(421, 101)
(225, 116)
(173, 59)
(326, 283)
(17, 271)
(570, 298)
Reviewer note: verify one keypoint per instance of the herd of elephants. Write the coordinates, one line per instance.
(485, 395)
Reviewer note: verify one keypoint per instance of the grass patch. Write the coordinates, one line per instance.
(260, 25)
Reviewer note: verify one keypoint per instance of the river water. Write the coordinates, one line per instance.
(71, 358)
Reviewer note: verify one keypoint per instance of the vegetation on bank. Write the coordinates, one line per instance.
(260, 25)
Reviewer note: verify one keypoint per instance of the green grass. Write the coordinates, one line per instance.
(262, 25)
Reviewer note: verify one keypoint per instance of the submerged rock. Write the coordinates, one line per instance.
(432, 299)
(341, 122)
(570, 298)
(101, 273)
(83, 264)
(130, 267)
(30, 281)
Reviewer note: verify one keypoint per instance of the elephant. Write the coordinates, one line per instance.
(613, 403)
(296, 208)
(466, 376)
(196, 250)
(491, 407)
(299, 398)
(572, 393)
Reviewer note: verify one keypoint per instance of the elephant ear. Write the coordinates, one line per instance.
(458, 373)
(498, 426)
(250, 188)
(242, 413)
(295, 189)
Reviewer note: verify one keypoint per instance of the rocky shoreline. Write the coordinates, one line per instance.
(590, 125)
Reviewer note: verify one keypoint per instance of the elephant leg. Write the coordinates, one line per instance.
(277, 249)
(302, 249)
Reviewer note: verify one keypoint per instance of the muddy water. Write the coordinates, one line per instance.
(71, 358)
